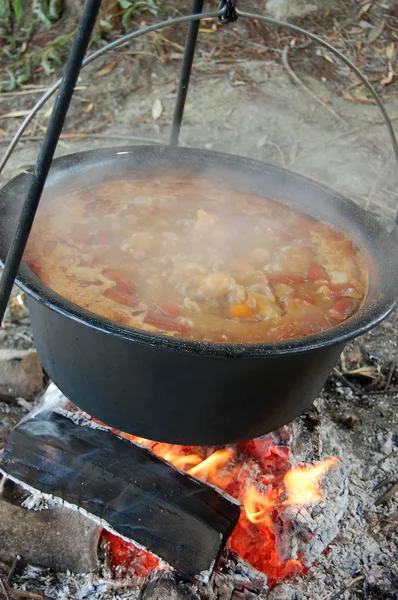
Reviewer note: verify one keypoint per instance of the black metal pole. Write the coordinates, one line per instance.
(46, 154)
(185, 74)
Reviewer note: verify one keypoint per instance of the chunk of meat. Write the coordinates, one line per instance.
(138, 245)
(214, 285)
(205, 220)
(265, 308)
(260, 256)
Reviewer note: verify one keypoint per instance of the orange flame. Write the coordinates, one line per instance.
(303, 483)
(258, 473)
(258, 505)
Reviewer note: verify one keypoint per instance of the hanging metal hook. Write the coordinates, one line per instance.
(229, 11)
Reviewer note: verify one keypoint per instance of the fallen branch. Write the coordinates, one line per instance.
(297, 79)
(348, 383)
(3, 589)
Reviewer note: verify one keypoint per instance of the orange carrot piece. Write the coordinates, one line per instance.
(240, 311)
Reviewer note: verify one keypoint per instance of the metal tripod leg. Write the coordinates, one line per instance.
(46, 154)
(190, 45)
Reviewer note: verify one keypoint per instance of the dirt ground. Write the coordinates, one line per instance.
(251, 106)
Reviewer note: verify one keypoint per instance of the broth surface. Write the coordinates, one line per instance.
(194, 259)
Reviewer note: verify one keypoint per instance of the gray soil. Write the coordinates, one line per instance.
(253, 108)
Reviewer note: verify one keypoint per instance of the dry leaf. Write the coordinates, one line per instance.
(157, 109)
(89, 108)
(390, 51)
(374, 33)
(365, 24)
(364, 10)
(327, 56)
(387, 80)
(107, 69)
(2, 131)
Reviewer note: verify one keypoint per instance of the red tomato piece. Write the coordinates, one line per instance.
(166, 324)
(303, 297)
(169, 310)
(274, 278)
(127, 287)
(120, 297)
(36, 267)
(342, 308)
(316, 272)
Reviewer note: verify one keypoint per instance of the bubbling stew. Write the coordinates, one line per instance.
(194, 259)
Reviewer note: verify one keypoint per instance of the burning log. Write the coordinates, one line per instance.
(124, 486)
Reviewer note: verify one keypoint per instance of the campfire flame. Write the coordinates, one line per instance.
(259, 474)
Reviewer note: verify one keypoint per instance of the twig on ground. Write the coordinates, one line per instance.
(12, 570)
(336, 137)
(3, 589)
(388, 495)
(348, 383)
(347, 587)
(391, 392)
(297, 79)
(391, 373)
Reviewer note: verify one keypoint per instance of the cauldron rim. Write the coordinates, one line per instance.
(370, 315)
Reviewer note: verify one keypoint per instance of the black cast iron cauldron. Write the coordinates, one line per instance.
(188, 392)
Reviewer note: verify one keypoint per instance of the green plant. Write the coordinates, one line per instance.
(20, 20)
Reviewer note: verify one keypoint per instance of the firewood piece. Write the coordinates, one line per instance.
(160, 585)
(57, 538)
(176, 517)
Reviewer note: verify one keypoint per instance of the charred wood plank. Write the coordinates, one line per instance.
(136, 494)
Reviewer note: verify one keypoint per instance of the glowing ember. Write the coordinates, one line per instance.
(127, 559)
(259, 474)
